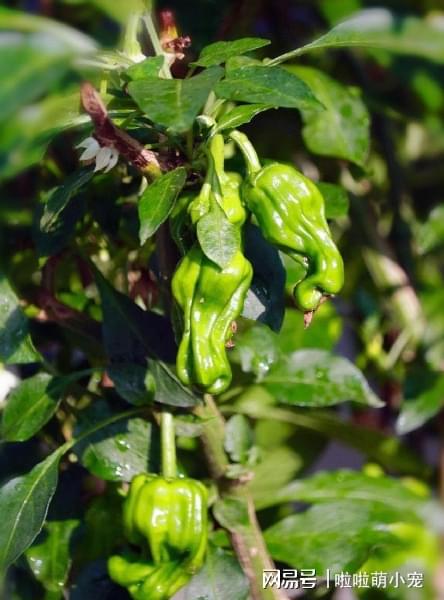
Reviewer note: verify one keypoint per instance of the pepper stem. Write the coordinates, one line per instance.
(216, 151)
(215, 154)
(168, 443)
(249, 153)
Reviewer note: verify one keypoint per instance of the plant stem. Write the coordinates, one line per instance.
(249, 544)
(131, 46)
(247, 540)
(273, 62)
(213, 437)
(157, 46)
(246, 147)
(168, 442)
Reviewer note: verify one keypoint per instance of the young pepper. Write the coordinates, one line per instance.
(290, 211)
(146, 581)
(209, 299)
(169, 518)
(166, 517)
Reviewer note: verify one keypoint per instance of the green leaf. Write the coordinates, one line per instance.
(414, 413)
(157, 201)
(130, 333)
(343, 128)
(25, 136)
(118, 451)
(238, 438)
(168, 389)
(62, 227)
(219, 239)
(267, 85)
(60, 214)
(430, 235)
(276, 468)
(339, 536)
(130, 381)
(265, 298)
(50, 556)
(25, 501)
(240, 115)
(31, 405)
(219, 52)
(221, 577)
(256, 350)
(146, 69)
(336, 200)
(232, 513)
(388, 450)
(57, 32)
(174, 103)
(380, 28)
(27, 72)
(236, 62)
(351, 485)
(60, 197)
(16, 346)
(317, 378)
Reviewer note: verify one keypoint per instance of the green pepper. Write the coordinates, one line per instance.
(210, 299)
(169, 518)
(231, 199)
(146, 581)
(290, 211)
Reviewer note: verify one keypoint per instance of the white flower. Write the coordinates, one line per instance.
(104, 156)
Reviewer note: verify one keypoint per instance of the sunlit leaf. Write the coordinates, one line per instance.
(174, 103)
(219, 52)
(25, 500)
(16, 346)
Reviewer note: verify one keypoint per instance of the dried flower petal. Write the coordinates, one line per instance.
(103, 158)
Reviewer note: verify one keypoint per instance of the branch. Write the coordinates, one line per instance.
(247, 540)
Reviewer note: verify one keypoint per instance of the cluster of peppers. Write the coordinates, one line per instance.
(166, 518)
(289, 209)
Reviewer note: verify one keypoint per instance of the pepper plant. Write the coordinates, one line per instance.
(211, 272)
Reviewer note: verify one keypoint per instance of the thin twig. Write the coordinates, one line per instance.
(247, 540)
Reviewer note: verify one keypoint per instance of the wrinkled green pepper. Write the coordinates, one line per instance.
(168, 520)
(210, 299)
(290, 211)
(169, 517)
(146, 581)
